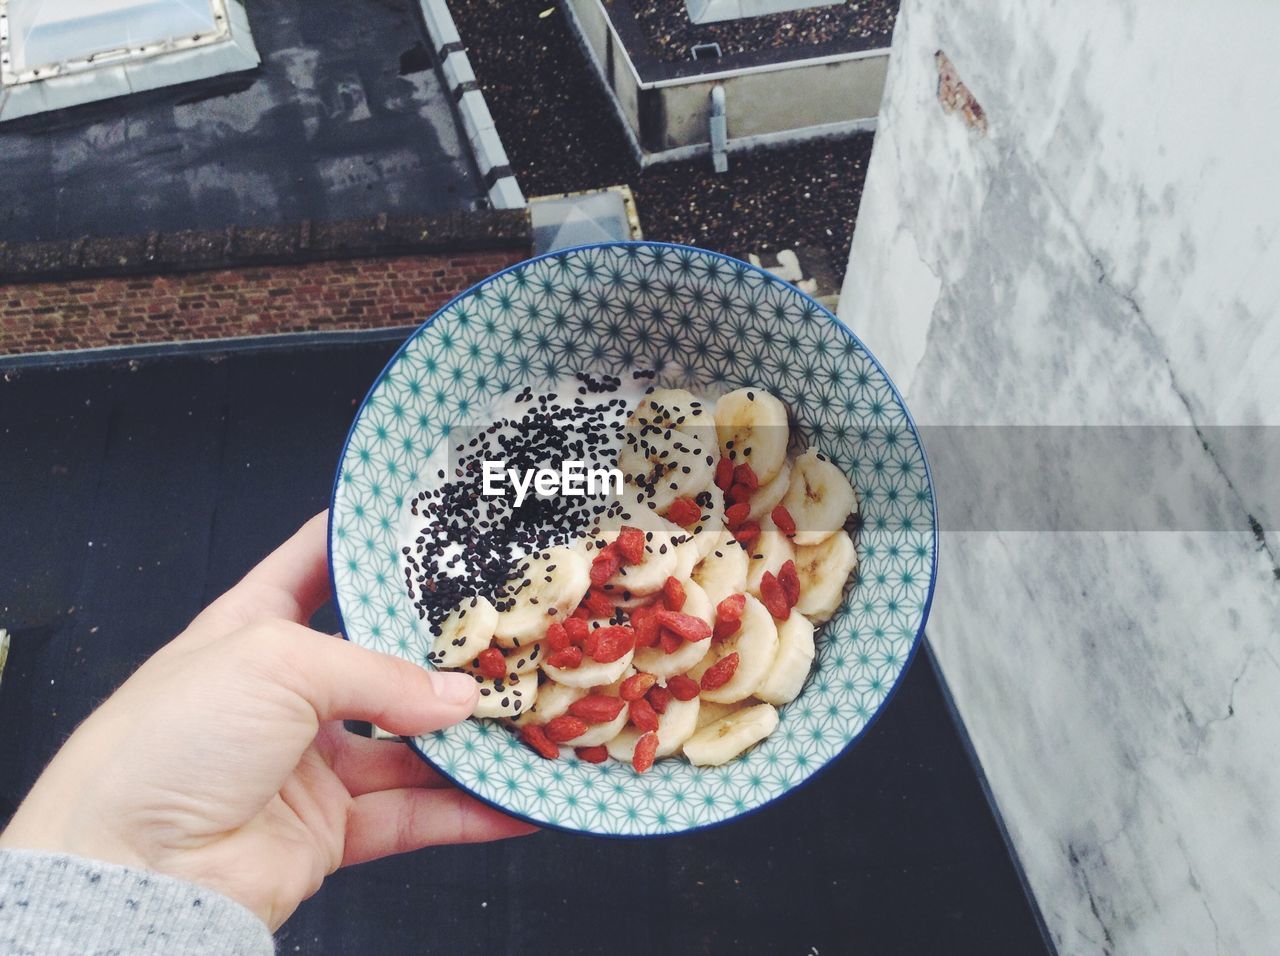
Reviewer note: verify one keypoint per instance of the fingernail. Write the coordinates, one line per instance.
(453, 688)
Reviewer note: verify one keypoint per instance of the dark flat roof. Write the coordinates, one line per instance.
(138, 491)
(345, 118)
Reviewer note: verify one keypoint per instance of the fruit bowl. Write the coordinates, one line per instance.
(701, 321)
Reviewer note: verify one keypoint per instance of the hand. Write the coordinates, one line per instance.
(223, 761)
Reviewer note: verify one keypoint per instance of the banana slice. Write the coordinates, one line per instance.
(675, 725)
(654, 660)
(464, 633)
(819, 498)
(709, 711)
(756, 645)
(678, 409)
(772, 549)
(752, 427)
(724, 570)
(728, 737)
(768, 495)
(553, 700)
(790, 668)
(505, 697)
(824, 571)
(589, 673)
(710, 527)
(554, 580)
(661, 554)
(666, 464)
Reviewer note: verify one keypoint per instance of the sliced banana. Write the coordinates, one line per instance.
(464, 633)
(675, 725)
(554, 580)
(710, 527)
(553, 700)
(790, 669)
(666, 464)
(728, 737)
(769, 495)
(755, 643)
(824, 571)
(752, 427)
(819, 498)
(654, 660)
(589, 673)
(772, 549)
(601, 733)
(709, 711)
(505, 697)
(724, 571)
(678, 409)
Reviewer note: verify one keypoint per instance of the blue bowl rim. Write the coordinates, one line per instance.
(831, 317)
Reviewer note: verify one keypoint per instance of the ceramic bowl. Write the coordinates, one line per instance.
(705, 322)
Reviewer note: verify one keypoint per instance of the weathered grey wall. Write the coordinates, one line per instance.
(1095, 243)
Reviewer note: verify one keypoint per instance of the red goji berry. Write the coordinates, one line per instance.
(719, 673)
(612, 643)
(597, 604)
(535, 738)
(631, 545)
(724, 474)
(645, 625)
(671, 642)
(684, 512)
(747, 534)
(636, 686)
(725, 629)
(646, 750)
(577, 628)
(683, 687)
(737, 494)
(597, 708)
(744, 474)
(562, 729)
(605, 565)
(731, 608)
(689, 628)
(580, 613)
(642, 716)
(658, 698)
(673, 594)
(789, 578)
(734, 515)
(773, 597)
(491, 663)
(783, 521)
(557, 637)
(596, 754)
(568, 659)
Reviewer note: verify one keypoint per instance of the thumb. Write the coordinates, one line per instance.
(342, 681)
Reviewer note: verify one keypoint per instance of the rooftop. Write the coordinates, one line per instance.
(345, 118)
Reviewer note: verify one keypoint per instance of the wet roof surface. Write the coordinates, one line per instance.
(145, 489)
(345, 118)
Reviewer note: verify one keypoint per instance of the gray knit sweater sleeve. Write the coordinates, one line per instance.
(51, 904)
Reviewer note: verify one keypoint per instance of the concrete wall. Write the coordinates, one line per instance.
(770, 102)
(1072, 220)
(776, 101)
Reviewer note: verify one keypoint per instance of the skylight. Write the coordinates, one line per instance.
(58, 53)
(712, 11)
(46, 33)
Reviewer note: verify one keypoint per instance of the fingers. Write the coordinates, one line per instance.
(396, 821)
(342, 681)
(291, 583)
(367, 766)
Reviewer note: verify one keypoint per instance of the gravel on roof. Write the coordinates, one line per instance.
(561, 134)
(853, 24)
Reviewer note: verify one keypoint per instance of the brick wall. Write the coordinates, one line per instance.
(341, 294)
